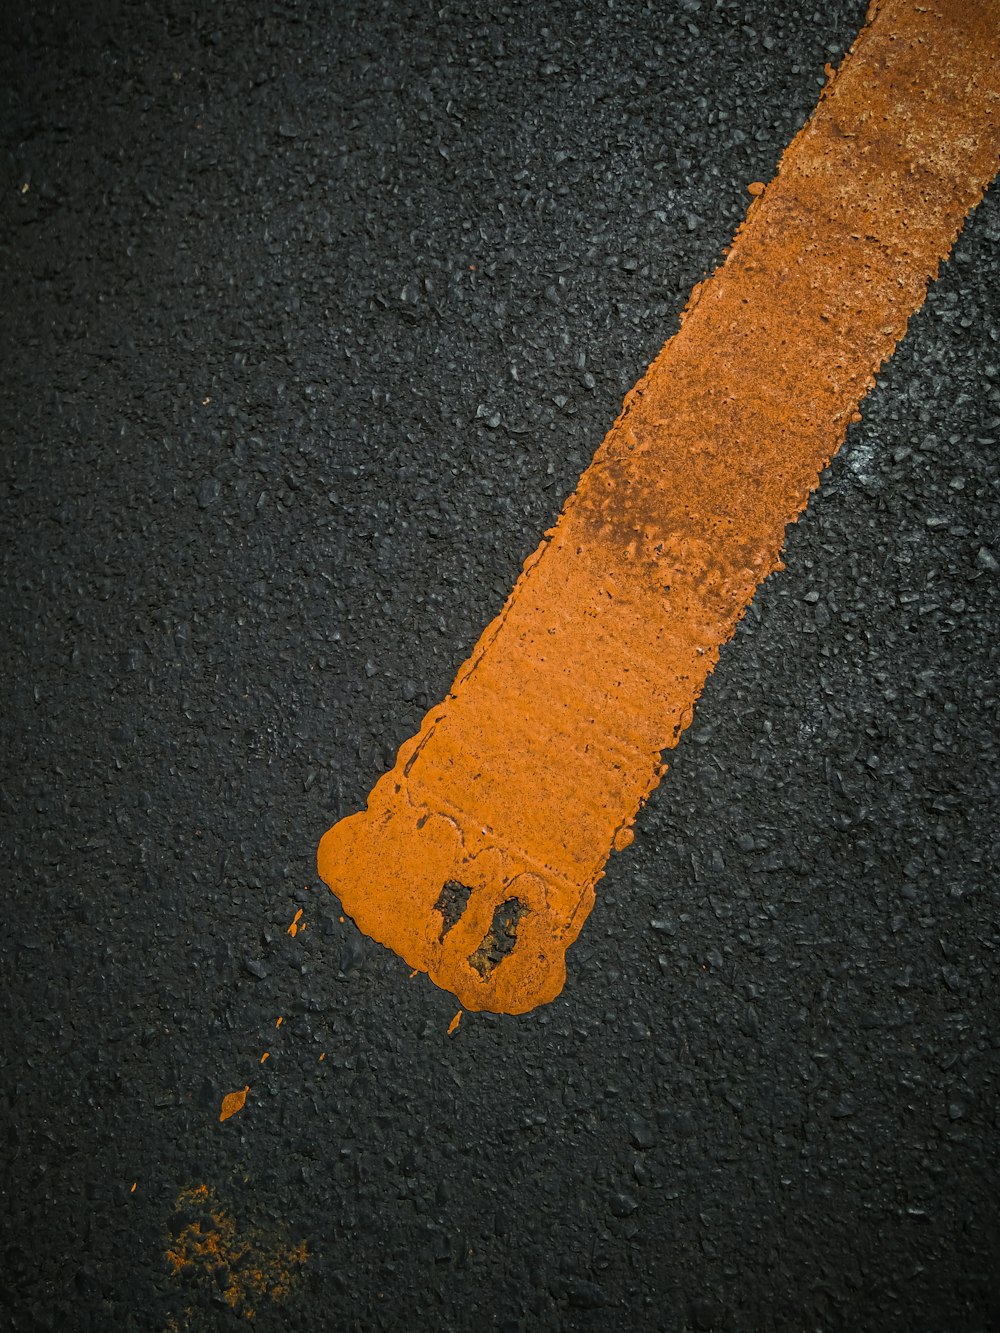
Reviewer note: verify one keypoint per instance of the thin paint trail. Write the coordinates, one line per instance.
(477, 857)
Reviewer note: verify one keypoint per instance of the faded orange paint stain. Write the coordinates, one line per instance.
(478, 855)
(207, 1248)
(233, 1102)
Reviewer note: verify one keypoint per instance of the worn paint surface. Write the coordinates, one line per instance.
(477, 857)
(247, 1265)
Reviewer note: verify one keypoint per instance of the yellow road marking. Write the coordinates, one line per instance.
(477, 856)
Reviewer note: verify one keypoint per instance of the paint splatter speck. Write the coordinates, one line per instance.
(233, 1102)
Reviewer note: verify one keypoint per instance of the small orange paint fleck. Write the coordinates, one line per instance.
(322, 1055)
(279, 1022)
(265, 1056)
(453, 1025)
(135, 1184)
(233, 1102)
(293, 929)
(755, 188)
(415, 973)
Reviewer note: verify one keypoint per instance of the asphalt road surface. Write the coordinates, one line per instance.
(312, 316)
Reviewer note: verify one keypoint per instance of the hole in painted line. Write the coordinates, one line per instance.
(452, 902)
(500, 939)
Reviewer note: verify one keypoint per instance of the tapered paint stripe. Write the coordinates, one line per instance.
(478, 854)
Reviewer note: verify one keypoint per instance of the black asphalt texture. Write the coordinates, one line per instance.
(312, 316)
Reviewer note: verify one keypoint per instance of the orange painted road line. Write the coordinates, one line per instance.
(477, 856)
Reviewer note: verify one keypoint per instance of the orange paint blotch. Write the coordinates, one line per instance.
(293, 929)
(265, 1056)
(135, 1186)
(478, 855)
(209, 1249)
(233, 1102)
(453, 1025)
(278, 1022)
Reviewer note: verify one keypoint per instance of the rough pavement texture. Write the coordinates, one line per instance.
(413, 259)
